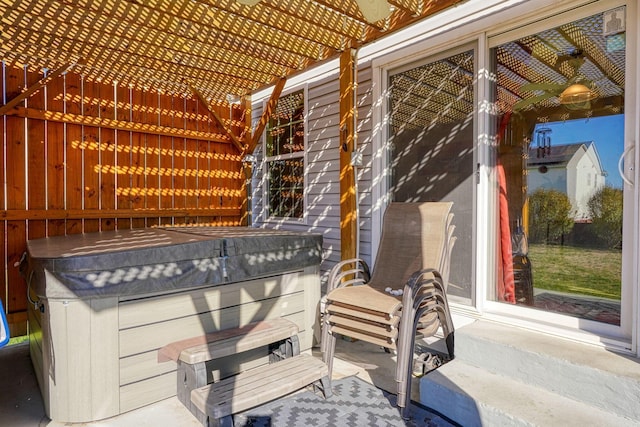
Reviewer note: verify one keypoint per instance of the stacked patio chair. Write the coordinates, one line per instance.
(406, 294)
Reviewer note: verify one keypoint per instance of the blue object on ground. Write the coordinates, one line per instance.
(4, 327)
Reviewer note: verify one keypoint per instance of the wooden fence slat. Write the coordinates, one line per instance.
(91, 155)
(36, 161)
(191, 180)
(205, 197)
(123, 180)
(3, 278)
(123, 157)
(73, 152)
(152, 160)
(167, 154)
(137, 158)
(107, 157)
(216, 181)
(36, 172)
(226, 183)
(233, 183)
(55, 156)
(180, 162)
(16, 192)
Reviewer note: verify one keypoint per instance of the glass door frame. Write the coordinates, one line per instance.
(625, 336)
(393, 64)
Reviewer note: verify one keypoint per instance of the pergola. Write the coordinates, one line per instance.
(136, 113)
(218, 48)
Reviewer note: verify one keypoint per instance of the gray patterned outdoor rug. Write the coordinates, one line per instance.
(355, 403)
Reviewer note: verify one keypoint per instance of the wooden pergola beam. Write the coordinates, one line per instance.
(266, 115)
(216, 117)
(348, 196)
(34, 88)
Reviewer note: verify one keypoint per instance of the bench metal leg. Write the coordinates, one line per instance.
(222, 422)
(325, 384)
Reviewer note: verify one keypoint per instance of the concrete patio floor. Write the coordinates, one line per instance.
(21, 404)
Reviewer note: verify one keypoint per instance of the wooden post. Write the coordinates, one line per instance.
(348, 196)
(246, 166)
(16, 174)
(32, 89)
(266, 115)
(234, 139)
(254, 139)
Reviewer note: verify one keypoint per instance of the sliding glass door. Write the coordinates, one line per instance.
(431, 111)
(562, 163)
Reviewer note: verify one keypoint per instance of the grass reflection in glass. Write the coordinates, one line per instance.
(593, 272)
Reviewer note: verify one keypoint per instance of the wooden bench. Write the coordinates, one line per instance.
(257, 386)
(213, 404)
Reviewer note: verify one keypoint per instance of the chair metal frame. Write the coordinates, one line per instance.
(423, 307)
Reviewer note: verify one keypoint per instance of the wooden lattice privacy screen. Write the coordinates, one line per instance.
(83, 156)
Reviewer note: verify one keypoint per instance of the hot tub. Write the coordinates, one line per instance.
(105, 303)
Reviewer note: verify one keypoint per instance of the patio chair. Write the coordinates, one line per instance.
(406, 293)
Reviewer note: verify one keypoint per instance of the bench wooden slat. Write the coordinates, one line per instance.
(258, 386)
(229, 341)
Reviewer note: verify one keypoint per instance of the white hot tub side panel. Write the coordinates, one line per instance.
(98, 357)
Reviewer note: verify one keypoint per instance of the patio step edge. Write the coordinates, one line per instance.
(582, 372)
(474, 397)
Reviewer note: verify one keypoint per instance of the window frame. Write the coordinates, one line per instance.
(266, 160)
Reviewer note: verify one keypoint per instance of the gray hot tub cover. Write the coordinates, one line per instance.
(133, 262)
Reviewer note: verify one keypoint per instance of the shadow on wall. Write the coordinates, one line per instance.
(437, 164)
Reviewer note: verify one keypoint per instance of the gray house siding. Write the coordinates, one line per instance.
(322, 168)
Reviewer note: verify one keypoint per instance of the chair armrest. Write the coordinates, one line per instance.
(349, 272)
